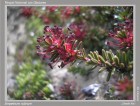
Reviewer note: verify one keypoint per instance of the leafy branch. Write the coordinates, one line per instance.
(111, 62)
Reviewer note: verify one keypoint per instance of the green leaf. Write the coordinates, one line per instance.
(96, 55)
(104, 54)
(116, 60)
(94, 61)
(101, 59)
(92, 54)
(108, 64)
(118, 54)
(122, 65)
(110, 56)
(125, 59)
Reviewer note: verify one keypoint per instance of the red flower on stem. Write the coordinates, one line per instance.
(57, 46)
(122, 35)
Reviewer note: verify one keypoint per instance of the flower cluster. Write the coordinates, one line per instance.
(124, 88)
(27, 11)
(51, 8)
(79, 30)
(68, 11)
(122, 35)
(65, 12)
(56, 46)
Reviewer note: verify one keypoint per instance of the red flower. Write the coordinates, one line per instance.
(51, 8)
(122, 35)
(68, 11)
(56, 46)
(77, 9)
(27, 11)
(57, 42)
(68, 48)
(125, 88)
(79, 30)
